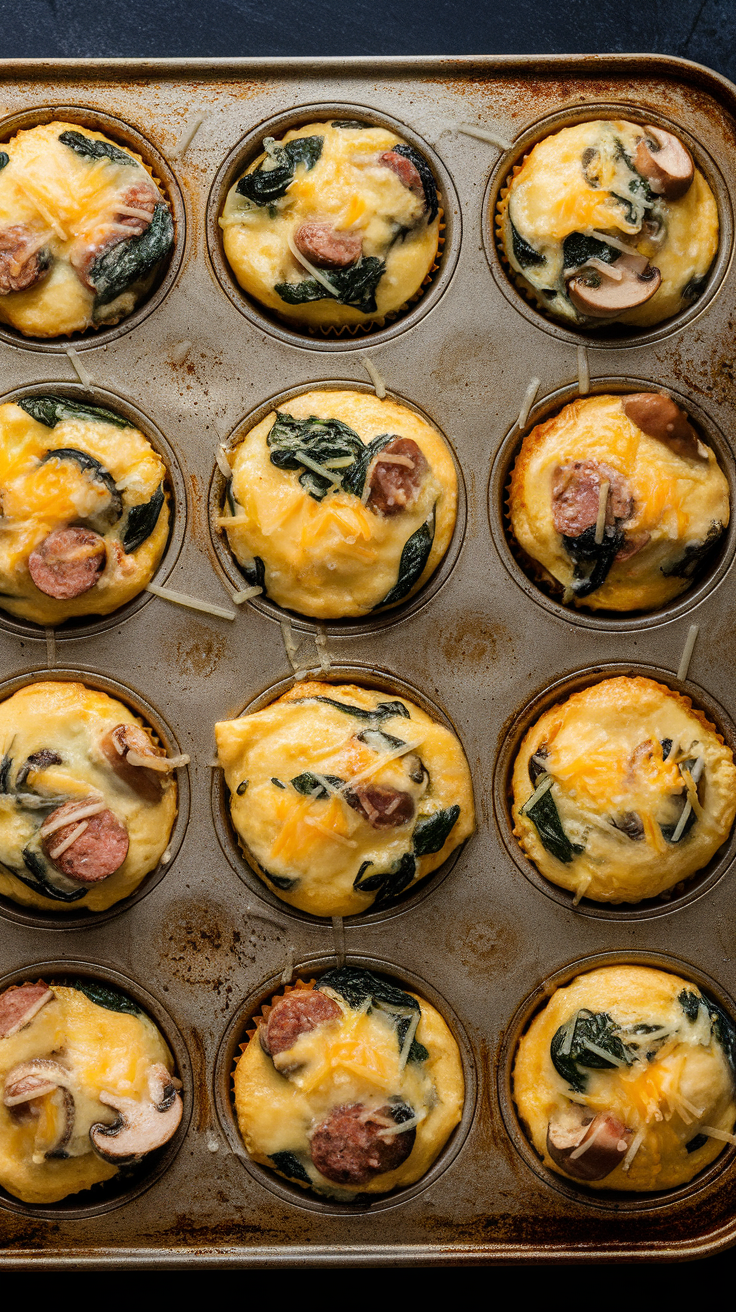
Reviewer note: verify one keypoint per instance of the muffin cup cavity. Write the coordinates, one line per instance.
(125, 134)
(346, 337)
(367, 677)
(613, 336)
(527, 574)
(87, 626)
(684, 893)
(615, 1200)
(129, 1183)
(35, 918)
(351, 625)
(236, 1036)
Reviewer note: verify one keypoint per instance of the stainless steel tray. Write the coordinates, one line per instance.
(203, 943)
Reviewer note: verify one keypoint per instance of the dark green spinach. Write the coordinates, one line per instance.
(594, 1027)
(130, 261)
(695, 555)
(722, 1027)
(524, 254)
(432, 833)
(414, 557)
(592, 560)
(40, 881)
(91, 148)
(142, 520)
(354, 123)
(51, 410)
(310, 786)
(353, 476)
(354, 286)
(383, 711)
(288, 1164)
(699, 1141)
(578, 248)
(290, 440)
(5, 767)
(264, 186)
(4, 158)
(356, 986)
(106, 996)
(89, 465)
(546, 819)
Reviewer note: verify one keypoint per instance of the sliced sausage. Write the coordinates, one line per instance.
(576, 496)
(99, 849)
(19, 1004)
(328, 249)
(394, 482)
(115, 746)
(298, 1013)
(141, 196)
(657, 415)
(587, 1146)
(68, 562)
(117, 226)
(407, 173)
(21, 261)
(353, 1144)
(382, 806)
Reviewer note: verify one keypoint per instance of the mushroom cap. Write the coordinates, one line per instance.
(585, 1145)
(657, 415)
(602, 297)
(141, 1124)
(39, 1078)
(666, 164)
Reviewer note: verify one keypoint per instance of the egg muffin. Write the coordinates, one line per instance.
(340, 504)
(87, 1088)
(348, 1086)
(335, 224)
(342, 799)
(84, 510)
(84, 230)
(623, 791)
(625, 1080)
(617, 503)
(609, 221)
(88, 798)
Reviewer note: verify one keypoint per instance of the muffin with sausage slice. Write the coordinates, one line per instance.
(84, 510)
(84, 230)
(88, 1088)
(336, 224)
(343, 798)
(609, 222)
(340, 504)
(625, 1080)
(617, 503)
(350, 1086)
(623, 791)
(88, 798)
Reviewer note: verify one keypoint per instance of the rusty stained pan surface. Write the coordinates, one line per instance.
(488, 938)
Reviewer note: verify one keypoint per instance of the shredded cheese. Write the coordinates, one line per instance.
(72, 838)
(180, 352)
(583, 371)
(84, 377)
(223, 463)
(600, 523)
(163, 764)
(483, 134)
(245, 594)
(528, 401)
(687, 651)
(542, 787)
(288, 970)
(714, 1133)
(634, 1147)
(193, 603)
(338, 934)
(188, 135)
(81, 813)
(316, 273)
(375, 377)
(50, 648)
(611, 241)
(320, 642)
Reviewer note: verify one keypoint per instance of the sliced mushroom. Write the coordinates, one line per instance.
(605, 297)
(657, 415)
(36, 1079)
(585, 1145)
(665, 163)
(19, 1004)
(116, 745)
(141, 1125)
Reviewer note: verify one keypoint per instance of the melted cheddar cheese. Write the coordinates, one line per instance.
(311, 847)
(336, 556)
(582, 181)
(640, 791)
(70, 720)
(349, 189)
(672, 1087)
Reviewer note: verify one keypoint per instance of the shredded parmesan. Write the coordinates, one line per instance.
(610, 241)
(84, 377)
(714, 1133)
(188, 135)
(606, 270)
(542, 787)
(50, 648)
(320, 642)
(72, 838)
(287, 634)
(582, 889)
(245, 594)
(583, 371)
(378, 765)
(315, 823)
(600, 523)
(375, 377)
(223, 462)
(677, 835)
(687, 652)
(483, 134)
(634, 1147)
(402, 1127)
(409, 1039)
(163, 764)
(193, 603)
(329, 474)
(288, 970)
(528, 401)
(338, 934)
(601, 1052)
(166, 857)
(81, 813)
(588, 1143)
(180, 352)
(316, 273)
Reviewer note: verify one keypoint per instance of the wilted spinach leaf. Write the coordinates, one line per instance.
(105, 996)
(309, 785)
(349, 123)
(131, 260)
(427, 176)
(5, 767)
(280, 881)
(264, 186)
(379, 741)
(524, 254)
(142, 520)
(413, 560)
(546, 819)
(690, 1003)
(291, 440)
(256, 573)
(695, 555)
(353, 476)
(592, 560)
(4, 158)
(594, 1027)
(698, 1142)
(354, 286)
(41, 883)
(578, 248)
(383, 711)
(51, 410)
(288, 1164)
(89, 465)
(431, 833)
(90, 148)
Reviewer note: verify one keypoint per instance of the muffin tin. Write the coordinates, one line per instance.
(206, 944)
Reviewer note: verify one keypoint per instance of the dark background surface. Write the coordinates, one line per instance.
(701, 30)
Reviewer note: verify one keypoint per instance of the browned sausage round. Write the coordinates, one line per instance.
(328, 249)
(353, 1145)
(19, 1004)
(21, 262)
(115, 746)
(140, 196)
(68, 562)
(99, 851)
(575, 496)
(382, 807)
(406, 172)
(297, 1013)
(394, 483)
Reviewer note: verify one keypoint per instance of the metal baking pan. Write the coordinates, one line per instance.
(202, 944)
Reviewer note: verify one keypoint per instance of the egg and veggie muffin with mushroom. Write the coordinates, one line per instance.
(84, 229)
(87, 1088)
(340, 503)
(617, 503)
(88, 798)
(625, 1080)
(337, 223)
(84, 510)
(348, 1086)
(342, 798)
(609, 221)
(622, 791)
